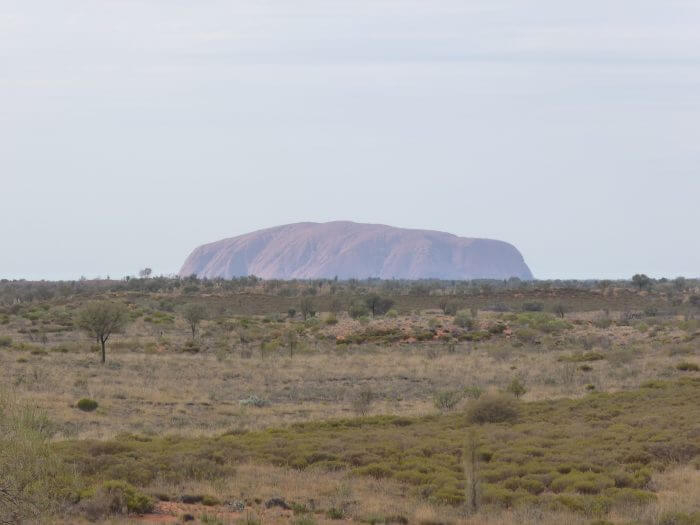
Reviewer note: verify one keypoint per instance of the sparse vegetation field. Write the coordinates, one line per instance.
(370, 401)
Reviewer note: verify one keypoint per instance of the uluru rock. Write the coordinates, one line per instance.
(309, 250)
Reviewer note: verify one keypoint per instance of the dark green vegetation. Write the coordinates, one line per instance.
(587, 456)
(254, 296)
(87, 405)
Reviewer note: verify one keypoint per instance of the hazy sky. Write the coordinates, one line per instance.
(133, 130)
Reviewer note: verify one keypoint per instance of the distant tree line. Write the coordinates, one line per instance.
(19, 291)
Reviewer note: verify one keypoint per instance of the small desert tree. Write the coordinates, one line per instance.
(357, 310)
(641, 281)
(145, 273)
(378, 305)
(561, 310)
(290, 340)
(680, 283)
(101, 319)
(194, 314)
(335, 306)
(307, 308)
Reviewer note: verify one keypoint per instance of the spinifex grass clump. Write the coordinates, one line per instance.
(34, 481)
(588, 455)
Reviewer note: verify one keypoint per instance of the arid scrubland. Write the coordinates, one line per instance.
(291, 402)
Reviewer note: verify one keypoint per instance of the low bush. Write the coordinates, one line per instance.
(584, 357)
(33, 479)
(362, 401)
(335, 513)
(673, 517)
(358, 309)
(114, 497)
(210, 501)
(493, 408)
(447, 400)
(532, 307)
(464, 319)
(686, 366)
(87, 405)
(473, 392)
(592, 450)
(253, 401)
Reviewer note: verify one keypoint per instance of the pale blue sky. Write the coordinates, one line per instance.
(132, 130)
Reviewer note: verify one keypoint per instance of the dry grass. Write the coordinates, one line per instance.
(151, 387)
(365, 498)
(199, 394)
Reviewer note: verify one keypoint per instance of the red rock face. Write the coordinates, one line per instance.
(309, 250)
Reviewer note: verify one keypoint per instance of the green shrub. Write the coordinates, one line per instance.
(33, 479)
(213, 520)
(114, 497)
(582, 482)
(629, 497)
(335, 513)
(362, 401)
(532, 486)
(473, 392)
(542, 322)
(679, 518)
(358, 309)
(532, 307)
(448, 399)
(87, 405)
(304, 520)
(497, 328)
(210, 501)
(654, 383)
(5, 341)
(526, 335)
(464, 319)
(686, 366)
(497, 495)
(136, 502)
(584, 357)
(493, 408)
(516, 388)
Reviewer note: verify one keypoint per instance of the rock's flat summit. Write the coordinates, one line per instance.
(310, 250)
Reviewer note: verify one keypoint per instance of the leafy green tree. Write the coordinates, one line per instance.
(194, 314)
(378, 305)
(463, 319)
(516, 388)
(641, 280)
(358, 309)
(680, 283)
(101, 319)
